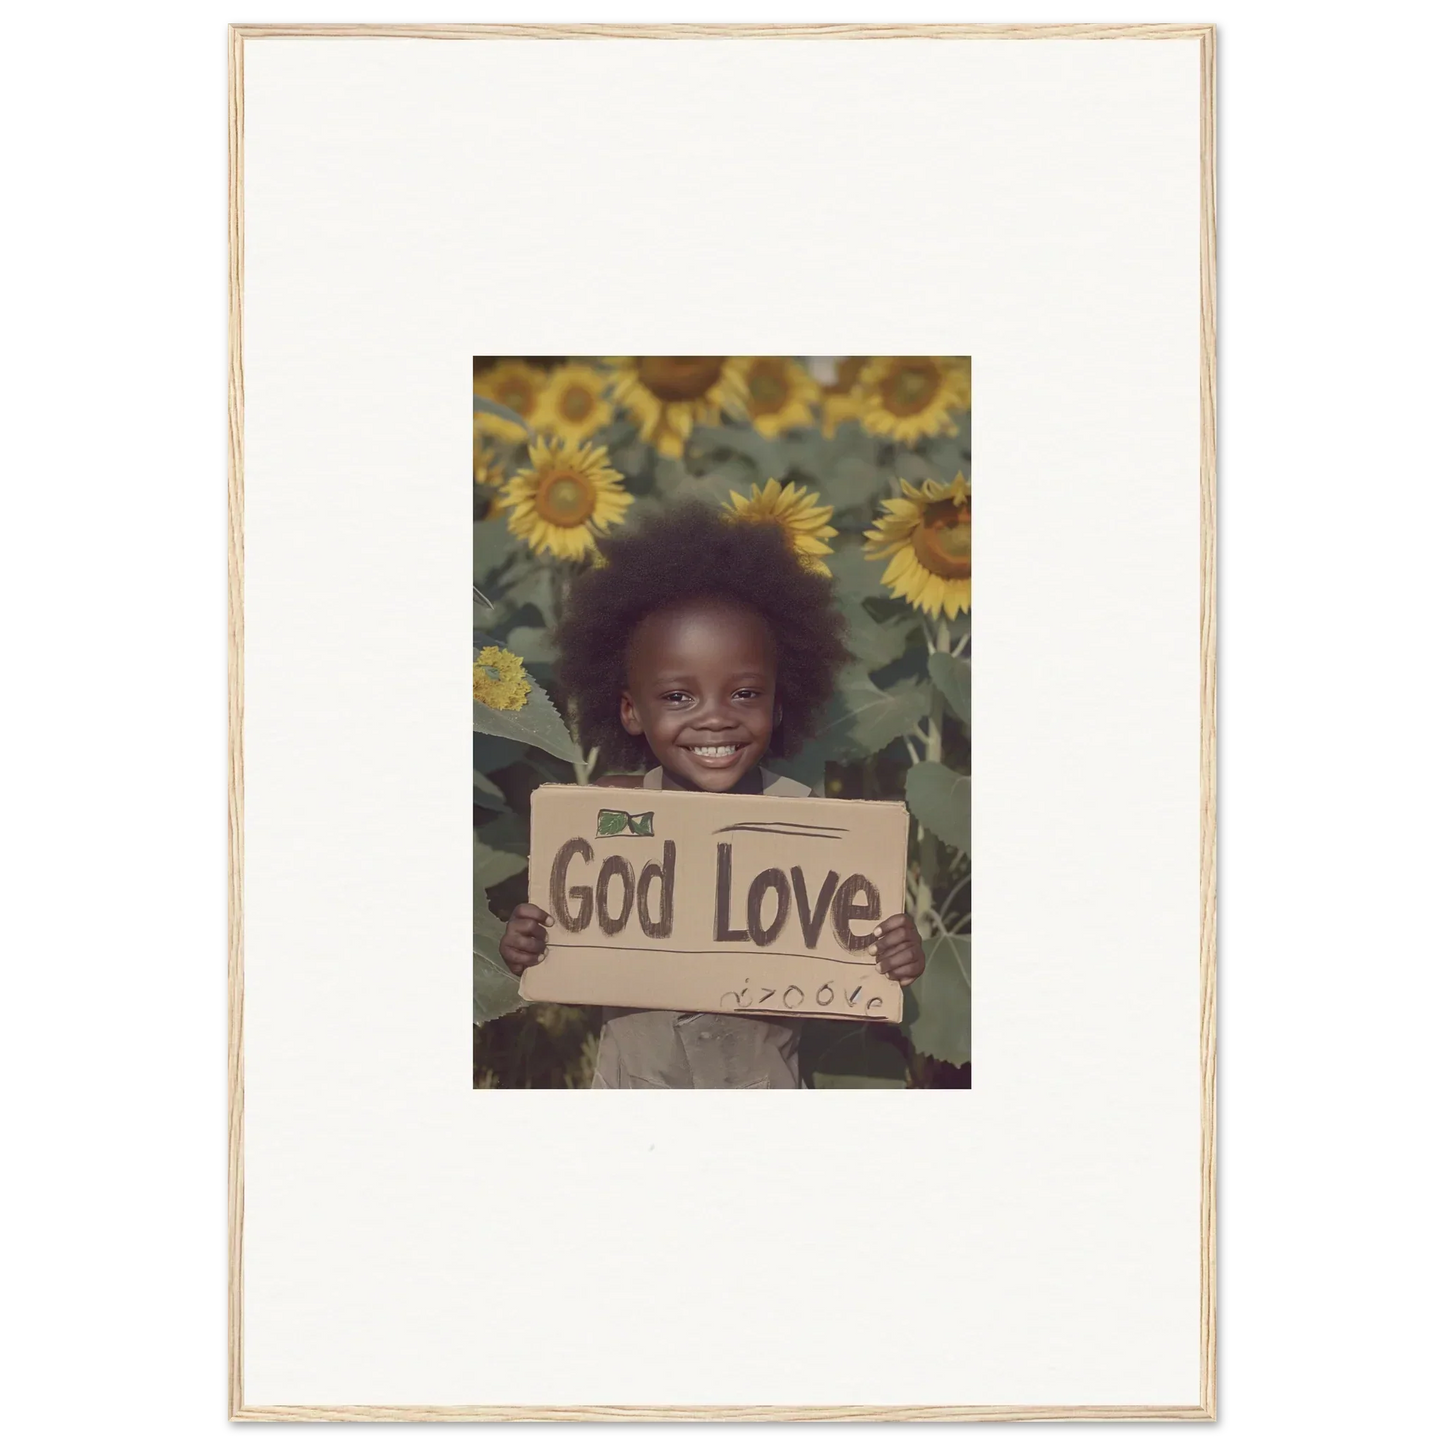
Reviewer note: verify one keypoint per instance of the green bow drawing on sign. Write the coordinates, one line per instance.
(613, 821)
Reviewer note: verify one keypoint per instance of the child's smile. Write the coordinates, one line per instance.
(701, 685)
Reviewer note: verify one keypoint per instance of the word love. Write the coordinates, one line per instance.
(773, 897)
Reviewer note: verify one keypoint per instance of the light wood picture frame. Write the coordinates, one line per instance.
(1200, 42)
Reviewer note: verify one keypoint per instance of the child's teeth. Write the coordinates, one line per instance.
(717, 752)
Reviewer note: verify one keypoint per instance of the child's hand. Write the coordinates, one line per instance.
(898, 950)
(525, 939)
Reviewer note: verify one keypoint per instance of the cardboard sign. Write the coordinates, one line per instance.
(715, 902)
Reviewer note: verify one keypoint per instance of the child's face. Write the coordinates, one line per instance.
(701, 686)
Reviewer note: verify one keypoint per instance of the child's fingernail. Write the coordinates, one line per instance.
(878, 932)
(872, 948)
(548, 918)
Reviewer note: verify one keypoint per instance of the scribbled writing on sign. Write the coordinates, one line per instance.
(862, 997)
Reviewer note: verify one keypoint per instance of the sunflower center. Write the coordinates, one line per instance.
(943, 541)
(767, 389)
(910, 388)
(565, 499)
(577, 403)
(515, 396)
(679, 378)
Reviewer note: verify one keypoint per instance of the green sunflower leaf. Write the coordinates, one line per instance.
(492, 544)
(851, 481)
(806, 766)
(845, 1055)
(494, 986)
(862, 718)
(874, 644)
(767, 455)
(532, 644)
(507, 832)
(953, 676)
(491, 866)
(949, 455)
(537, 722)
(938, 1005)
(486, 794)
(914, 468)
(630, 455)
(531, 584)
(491, 755)
(856, 575)
(941, 800)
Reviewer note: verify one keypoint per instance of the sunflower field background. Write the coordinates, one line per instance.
(865, 464)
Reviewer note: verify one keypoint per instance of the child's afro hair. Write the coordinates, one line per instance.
(673, 556)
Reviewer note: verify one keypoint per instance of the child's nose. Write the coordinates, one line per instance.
(717, 713)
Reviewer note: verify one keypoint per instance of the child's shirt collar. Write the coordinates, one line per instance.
(750, 782)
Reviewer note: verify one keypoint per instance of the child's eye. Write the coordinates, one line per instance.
(747, 693)
(674, 697)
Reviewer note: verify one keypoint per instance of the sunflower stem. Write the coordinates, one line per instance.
(923, 896)
(952, 894)
(928, 856)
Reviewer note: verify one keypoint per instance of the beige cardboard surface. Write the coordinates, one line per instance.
(715, 902)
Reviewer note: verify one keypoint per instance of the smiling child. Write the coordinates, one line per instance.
(702, 646)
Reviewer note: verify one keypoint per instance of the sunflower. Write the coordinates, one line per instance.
(574, 404)
(804, 522)
(505, 431)
(781, 394)
(908, 397)
(842, 399)
(516, 385)
(669, 395)
(498, 679)
(567, 496)
(928, 532)
(488, 469)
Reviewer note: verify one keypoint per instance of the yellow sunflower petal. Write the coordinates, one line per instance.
(567, 495)
(906, 398)
(927, 537)
(795, 511)
(574, 404)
